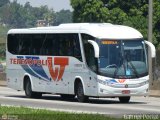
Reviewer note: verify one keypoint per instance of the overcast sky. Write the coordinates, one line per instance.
(57, 5)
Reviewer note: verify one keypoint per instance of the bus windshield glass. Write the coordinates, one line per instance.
(122, 58)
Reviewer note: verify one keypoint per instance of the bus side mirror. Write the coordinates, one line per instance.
(96, 48)
(152, 48)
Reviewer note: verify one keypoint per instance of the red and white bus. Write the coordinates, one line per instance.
(81, 59)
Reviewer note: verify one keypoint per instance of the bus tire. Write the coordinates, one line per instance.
(124, 99)
(80, 93)
(28, 90)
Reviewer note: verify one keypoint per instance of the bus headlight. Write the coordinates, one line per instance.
(143, 83)
(108, 83)
(101, 81)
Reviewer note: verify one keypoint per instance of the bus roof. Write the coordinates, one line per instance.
(98, 30)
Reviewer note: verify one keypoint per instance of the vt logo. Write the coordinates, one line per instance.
(121, 80)
(57, 72)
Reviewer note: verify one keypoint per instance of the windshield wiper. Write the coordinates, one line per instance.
(131, 64)
(115, 72)
(134, 69)
(117, 69)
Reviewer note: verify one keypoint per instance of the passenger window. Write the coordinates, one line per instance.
(45, 44)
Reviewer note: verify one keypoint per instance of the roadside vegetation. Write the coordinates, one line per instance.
(3, 33)
(15, 15)
(21, 113)
(133, 13)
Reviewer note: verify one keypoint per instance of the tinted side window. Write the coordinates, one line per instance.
(45, 44)
(73, 46)
(12, 43)
(61, 45)
(24, 44)
(37, 42)
(50, 45)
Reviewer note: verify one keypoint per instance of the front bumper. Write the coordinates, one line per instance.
(107, 91)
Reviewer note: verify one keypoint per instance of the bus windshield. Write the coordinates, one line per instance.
(122, 58)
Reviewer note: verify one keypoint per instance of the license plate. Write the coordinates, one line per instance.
(125, 91)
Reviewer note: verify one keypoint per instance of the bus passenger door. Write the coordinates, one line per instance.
(92, 66)
(92, 83)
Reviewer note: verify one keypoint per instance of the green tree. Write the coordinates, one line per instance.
(3, 2)
(133, 13)
(44, 13)
(30, 19)
(129, 12)
(19, 16)
(63, 16)
(89, 11)
(49, 16)
(156, 23)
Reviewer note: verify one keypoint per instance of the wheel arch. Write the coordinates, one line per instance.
(25, 78)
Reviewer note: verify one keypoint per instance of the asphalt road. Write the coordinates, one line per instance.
(109, 106)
